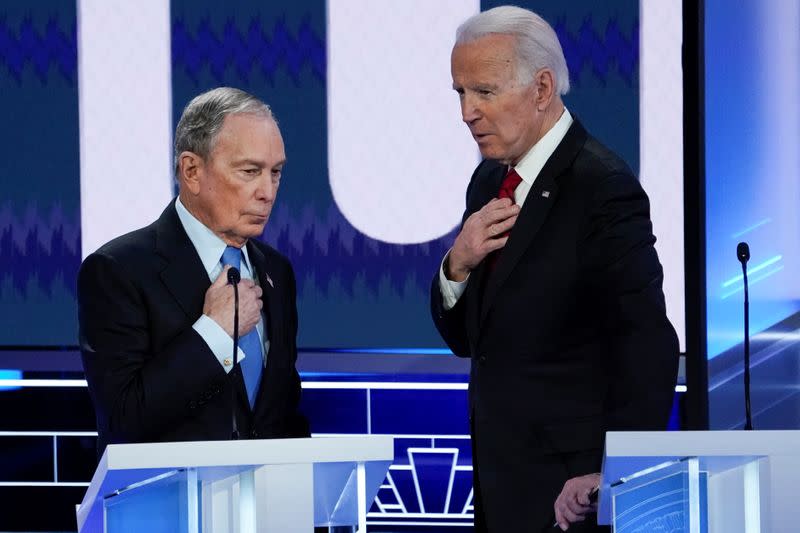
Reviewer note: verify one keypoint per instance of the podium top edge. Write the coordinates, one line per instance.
(702, 443)
(248, 452)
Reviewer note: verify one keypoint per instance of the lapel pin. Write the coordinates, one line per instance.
(269, 280)
(546, 194)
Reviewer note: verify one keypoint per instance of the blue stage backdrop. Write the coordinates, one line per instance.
(39, 175)
(353, 290)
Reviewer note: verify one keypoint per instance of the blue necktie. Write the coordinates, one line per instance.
(250, 344)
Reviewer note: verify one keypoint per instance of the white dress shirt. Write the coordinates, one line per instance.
(528, 169)
(210, 247)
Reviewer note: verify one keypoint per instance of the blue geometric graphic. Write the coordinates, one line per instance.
(426, 485)
(23, 45)
(600, 53)
(256, 48)
(40, 175)
(38, 249)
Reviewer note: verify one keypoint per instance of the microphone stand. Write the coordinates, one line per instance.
(743, 253)
(233, 278)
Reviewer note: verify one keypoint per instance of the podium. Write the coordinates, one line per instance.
(281, 485)
(701, 481)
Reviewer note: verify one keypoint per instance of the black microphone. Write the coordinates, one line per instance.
(743, 254)
(234, 277)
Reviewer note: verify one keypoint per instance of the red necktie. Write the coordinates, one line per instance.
(509, 185)
(507, 189)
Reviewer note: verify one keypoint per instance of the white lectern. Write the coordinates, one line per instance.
(282, 485)
(701, 481)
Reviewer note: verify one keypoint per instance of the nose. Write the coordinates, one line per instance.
(267, 189)
(470, 111)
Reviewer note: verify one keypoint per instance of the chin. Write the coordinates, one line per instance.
(254, 230)
(489, 153)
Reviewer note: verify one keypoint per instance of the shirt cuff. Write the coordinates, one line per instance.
(451, 290)
(218, 340)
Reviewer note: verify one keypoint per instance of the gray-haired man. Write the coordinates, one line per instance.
(563, 317)
(156, 310)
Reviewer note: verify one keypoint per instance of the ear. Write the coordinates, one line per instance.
(545, 82)
(191, 168)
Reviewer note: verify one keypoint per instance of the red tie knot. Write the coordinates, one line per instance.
(509, 184)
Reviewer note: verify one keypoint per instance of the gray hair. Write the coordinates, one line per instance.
(537, 44)
(203, 117)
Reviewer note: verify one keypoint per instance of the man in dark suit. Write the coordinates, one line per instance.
(563, 317)
(156, 310)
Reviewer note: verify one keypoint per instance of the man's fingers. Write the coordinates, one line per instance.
(495, 244)
(222, 279)
(495, 213)
(576, 508)
(583, 497)
(566, 515)
(499, 228)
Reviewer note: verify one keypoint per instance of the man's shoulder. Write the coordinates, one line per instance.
(272, 256)
(596, 160)
(133, 246)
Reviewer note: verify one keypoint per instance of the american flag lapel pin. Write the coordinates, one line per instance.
(545, 194)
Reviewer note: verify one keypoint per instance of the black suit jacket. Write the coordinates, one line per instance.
(151, 376)
(568, 336)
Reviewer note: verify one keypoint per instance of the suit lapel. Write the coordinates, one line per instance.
(540, 199)
(184, 276)
(475, 288)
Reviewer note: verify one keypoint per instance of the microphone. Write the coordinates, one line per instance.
(743, 254)
(234, 277)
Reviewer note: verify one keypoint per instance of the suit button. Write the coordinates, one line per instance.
(192, 404)
(482, 359)
(254, 434)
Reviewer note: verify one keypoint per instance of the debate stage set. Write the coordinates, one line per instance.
(699, 98)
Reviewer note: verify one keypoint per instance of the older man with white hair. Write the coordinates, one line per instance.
(552, 286)
(156, 306)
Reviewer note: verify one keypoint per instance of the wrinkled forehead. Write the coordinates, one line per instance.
(243, 129)
(492, 54)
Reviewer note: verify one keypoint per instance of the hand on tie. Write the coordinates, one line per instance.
(483, 232)
(219, 304)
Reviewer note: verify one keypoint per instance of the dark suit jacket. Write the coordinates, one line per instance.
(568, 336)
(151, 376)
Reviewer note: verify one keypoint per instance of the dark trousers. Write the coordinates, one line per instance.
(576, 464)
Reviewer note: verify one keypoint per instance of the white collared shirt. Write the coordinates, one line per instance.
(210, 247)
(528, 169)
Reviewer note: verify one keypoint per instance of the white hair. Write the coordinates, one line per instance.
(537, 45)
(202, 119)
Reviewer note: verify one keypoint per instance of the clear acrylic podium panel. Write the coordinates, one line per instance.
(670, 498)
(175, 501)
(246, 485)
(694, 495)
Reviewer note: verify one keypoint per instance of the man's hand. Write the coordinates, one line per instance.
(219, 304)
(483, 232)
(573, 504)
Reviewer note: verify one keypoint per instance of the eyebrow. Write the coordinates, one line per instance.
(257, 163)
